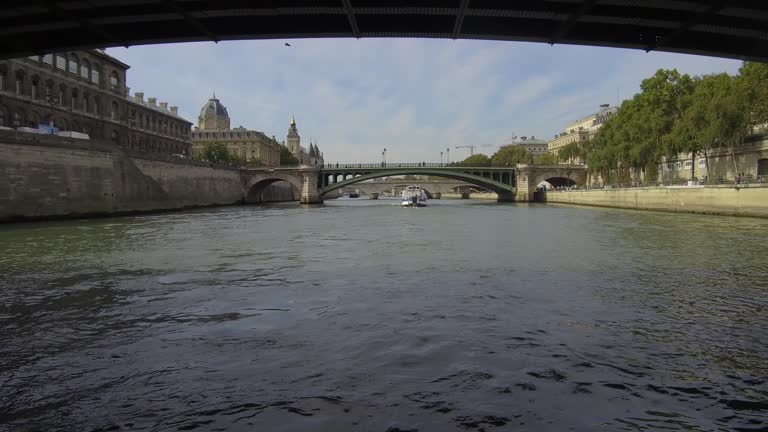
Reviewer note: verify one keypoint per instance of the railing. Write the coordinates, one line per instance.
(746, 181)
(403, 165)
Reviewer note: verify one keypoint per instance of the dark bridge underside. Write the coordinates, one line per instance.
(735, 29)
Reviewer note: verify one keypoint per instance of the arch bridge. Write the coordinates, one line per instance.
(513, 183)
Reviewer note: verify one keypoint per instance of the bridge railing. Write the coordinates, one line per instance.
(406, 165)
(388, 165)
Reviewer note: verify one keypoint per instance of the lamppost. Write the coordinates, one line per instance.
(448, 155)
(441, 158)
(385, 156)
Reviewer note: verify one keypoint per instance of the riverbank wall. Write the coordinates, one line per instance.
(748, 200)
(44, 177)
(476, 195)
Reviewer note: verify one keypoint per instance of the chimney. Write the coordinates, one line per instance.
(139, 97)
(152, 102)
(164, 106)
(175, 110)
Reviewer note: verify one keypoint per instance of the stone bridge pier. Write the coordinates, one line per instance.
(310, 193)
(530, 176)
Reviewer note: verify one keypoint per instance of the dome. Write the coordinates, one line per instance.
(213, 115)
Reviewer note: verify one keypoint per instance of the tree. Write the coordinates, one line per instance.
(753, 83)
(509, 155)
(545, 159)
(286, 157)
(569, 152)
(477, 160)
(215, 152)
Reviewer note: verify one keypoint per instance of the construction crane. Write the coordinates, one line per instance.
(472, 148)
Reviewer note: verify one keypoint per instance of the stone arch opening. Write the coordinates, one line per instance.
(558, 182)
(272, 189)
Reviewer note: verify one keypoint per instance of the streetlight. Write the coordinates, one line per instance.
(385, 156)
(448, 155)
(441, 158)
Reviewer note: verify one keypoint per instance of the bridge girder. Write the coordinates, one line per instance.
(723, 28)
(462, 174)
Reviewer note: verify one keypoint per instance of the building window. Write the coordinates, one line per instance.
(2, 80)
(16, 122)
(85, 69)
(48, 59)
(678, 165)
(96, 106)
(73, 99)
(19, 83)
(35, 89)
(702, 163)
(113, 113)
(688, 164)
(34, 58)
(61, 62)
(74, 64)
(113, 80)
(95, 74)
(85, 103)
(62, 94)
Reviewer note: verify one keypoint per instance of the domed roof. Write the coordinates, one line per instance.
(213, 115)
(214, 108)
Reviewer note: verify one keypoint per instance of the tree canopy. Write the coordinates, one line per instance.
(477, 160)
(674, 113)
(215, 152)
(512, 154)
(286, 157)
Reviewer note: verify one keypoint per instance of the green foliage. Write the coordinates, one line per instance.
(478, 160)
(286, 157)
(215, 152)
(509, 155)
(545, 159)
(569, 152)
(753, 83)
(675, 114)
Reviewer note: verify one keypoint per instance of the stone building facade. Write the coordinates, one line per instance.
(535, 146)
(85, 91)
(213, 125)
(581, 130)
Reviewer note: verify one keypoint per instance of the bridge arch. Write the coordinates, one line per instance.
(559, 181)
(475, 178)
(256, 185)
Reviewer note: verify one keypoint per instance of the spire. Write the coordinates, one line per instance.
(293, 121)
(214, 95)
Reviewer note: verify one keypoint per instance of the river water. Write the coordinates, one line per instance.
(362, 316)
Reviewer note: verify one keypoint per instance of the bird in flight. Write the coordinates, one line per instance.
(287, 44)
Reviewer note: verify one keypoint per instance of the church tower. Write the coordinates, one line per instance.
(293, 140)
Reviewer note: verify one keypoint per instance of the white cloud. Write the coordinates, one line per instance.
(414, 97)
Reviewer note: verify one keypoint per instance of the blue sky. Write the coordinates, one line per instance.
(416, 97)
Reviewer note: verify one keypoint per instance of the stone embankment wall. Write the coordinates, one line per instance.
(723, 200)
(44, 177)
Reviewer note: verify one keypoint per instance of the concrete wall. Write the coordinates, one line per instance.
(44, 177)
(725, 200)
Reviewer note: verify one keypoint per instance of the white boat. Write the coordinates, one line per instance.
(413, 196)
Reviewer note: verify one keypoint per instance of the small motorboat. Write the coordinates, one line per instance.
(413, 196)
